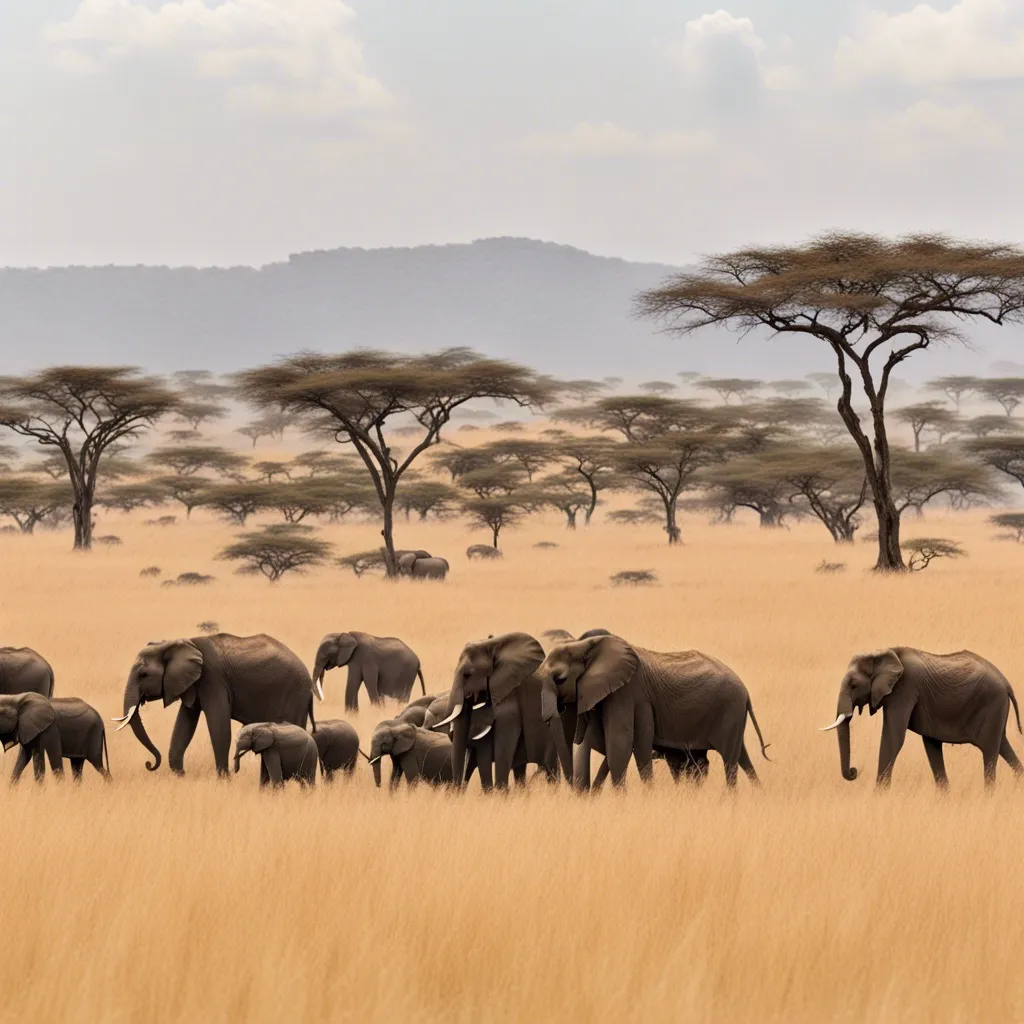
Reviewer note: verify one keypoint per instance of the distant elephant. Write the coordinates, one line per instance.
(338, 746)
(22, 670)
(416, 754)
(83, 737)
(432, 568)
(416, 552)
(286, 752)
(944, 698)
(387, 666)
(484, 551)
(246, 679)
(557, 635)
(499, 673)
(28, 720)
(626, 701)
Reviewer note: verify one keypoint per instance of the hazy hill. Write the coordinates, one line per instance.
(552, 306)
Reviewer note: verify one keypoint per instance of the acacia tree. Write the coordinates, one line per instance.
(589, 457)
(29, 501)
(874, 302)
(195, 412)
(187, 460)
(276, 550)
(1004, 454)
(954, 388)
(496, 512)
(352, 397)
(83, 412)
(982, 426)
(923, 416)
(726, 387)
(567, 493)
(1006, 391)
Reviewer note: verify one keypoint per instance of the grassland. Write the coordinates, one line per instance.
(165, 899)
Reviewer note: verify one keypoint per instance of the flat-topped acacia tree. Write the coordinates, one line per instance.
(873, 301)
(355, 396)
(84, 412)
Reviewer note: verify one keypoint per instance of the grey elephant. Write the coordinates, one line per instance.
(944, 698)
(416, 754)
(625, 702)
(387, 666)
(23, 670)
(29, 721)
(337, 745)
(246, 679)
(83, 737)
(479, 745)
(500, 674)
(286, 752)
(432, 568)
(484, 551)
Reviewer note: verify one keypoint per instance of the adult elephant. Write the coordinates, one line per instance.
(432, 568)
(23, 670)
(245, 678)
(626, 701)
(500, 673)
(386, 665)
(944, 698)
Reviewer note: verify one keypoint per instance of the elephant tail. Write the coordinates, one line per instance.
(423, 685)
(1016, 710)
(757, 729)
(106, 753)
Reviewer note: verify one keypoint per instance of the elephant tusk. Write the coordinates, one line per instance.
(125, 719)
(482, 704)
(374, 760)
(451, 718)
(318, 688)
(482, 733)
(835, 725)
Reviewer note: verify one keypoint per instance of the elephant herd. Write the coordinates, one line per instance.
(511, 705)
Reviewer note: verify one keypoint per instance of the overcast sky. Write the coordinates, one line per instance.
(237, 131)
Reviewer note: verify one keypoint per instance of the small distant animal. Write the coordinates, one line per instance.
(482, 551)
(189, 579)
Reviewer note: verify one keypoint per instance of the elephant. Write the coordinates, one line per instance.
(484, 551)
(499, 674)
(338, 746)
(246, 679)
(22, 670)
(386, 665)
(557, 635)
(83, 737)
(416, 754)
(286, 752)
(433, 568)
(944, 698)
(626, 701)
(28, 719)
(416, 552)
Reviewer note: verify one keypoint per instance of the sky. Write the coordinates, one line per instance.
(219, 132)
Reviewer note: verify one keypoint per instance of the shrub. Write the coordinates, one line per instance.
(924, 550)
(634, 578)
(109, 539)
(829, 567)
(276, 550)
(150, 570)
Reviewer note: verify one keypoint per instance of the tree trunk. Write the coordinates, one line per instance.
(593, 503)
(670, 523)
(388, 533)
(570, 519)
(769, 519)
(82, 512)
(890, 555)
(495, 530)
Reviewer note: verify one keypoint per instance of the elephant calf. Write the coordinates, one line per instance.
(416, 754)
(28, 720)
(83, 736)
(337, 744)
(286, 752)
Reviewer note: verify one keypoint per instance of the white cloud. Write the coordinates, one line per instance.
(604, 138)
(290, 56)
(726, 53)
(972, 40)
(931, 124)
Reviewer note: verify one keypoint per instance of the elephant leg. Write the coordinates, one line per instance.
(411, 768)
(21, 764)
(894, 732)
(49, 743)
(1007, 754)
(748, 766)
(355, 677)
(506, 739)
(38, 762)
(677, 766)
(643, 741)
(519, 774)
(264, 775)
(218, 722)
(731, 770)
(581, 765)
(184, 729)
(933, 748)
(77, 764)
(272, 763)
(602, 773)
(396, 774)
(697, 766)
(370, 677)
(329, 774)
(484, 765)
(618, 738)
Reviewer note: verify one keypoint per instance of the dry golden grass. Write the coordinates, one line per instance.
(158, 898)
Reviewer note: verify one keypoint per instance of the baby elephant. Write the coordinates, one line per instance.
(415, 754)
(338, 746)
(286, 752)
(28, 720)
(83, 737)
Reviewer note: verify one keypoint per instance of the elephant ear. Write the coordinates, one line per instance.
(887, 669)
(404, 737)
(34, 716)
(516, 657)
(262, 739)
(609, 664)
(183, 665)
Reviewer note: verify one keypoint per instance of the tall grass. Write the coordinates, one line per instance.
(156, 898)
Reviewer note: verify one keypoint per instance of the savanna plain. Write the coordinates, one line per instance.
(158, 898)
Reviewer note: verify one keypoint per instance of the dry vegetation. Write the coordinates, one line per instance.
(158, 898)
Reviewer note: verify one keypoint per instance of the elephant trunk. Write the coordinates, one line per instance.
(375, 765)
(844, 712)
(319, 668)
(133, 716)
